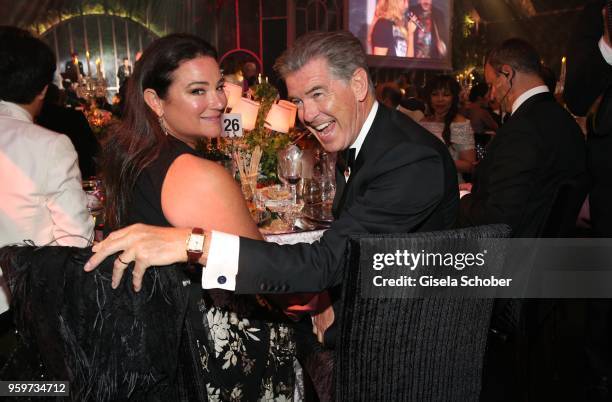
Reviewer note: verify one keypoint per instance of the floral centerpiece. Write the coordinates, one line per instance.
(98, 119)
(270, 142)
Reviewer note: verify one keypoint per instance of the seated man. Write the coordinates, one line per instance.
(41, 192)
(538, 148)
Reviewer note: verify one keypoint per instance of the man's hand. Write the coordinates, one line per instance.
(145, 245)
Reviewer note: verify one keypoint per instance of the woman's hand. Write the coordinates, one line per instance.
(145, 246)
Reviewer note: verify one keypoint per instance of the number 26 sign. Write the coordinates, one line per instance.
(232, 125)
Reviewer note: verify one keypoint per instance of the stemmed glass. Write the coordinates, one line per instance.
(290, 168)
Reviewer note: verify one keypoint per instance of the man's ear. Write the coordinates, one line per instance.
(153, 101)
(43, 93)
(360, 84)
(507, 71)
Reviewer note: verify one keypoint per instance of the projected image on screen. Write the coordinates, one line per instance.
(403, 33)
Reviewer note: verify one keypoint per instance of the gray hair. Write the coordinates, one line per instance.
(341, 49)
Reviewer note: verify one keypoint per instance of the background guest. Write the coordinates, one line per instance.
(73, 124)
(41, 192)
(537, 151)
(445, 122)
(73, 69)
(477, 111)
(124, 71)
(589, 79)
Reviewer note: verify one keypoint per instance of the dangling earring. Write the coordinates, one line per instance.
(162, 125)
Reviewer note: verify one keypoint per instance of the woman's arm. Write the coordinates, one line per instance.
(465, 161)
(200, 193)
(462, 138)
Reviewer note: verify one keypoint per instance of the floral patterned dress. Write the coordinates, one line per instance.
(246, 359)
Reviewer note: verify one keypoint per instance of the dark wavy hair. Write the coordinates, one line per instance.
(27, 65)
(444, 83)
(135, 142)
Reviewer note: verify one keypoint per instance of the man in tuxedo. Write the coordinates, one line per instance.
(124, 72)
(589, 78)
(400, 179)
(538, 149)
(73, 69)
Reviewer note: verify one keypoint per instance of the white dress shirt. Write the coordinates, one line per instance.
(223, 253)
(41, 195)
(606, 50)
(528, 94)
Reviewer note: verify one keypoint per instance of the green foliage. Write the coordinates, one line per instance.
(269, 141)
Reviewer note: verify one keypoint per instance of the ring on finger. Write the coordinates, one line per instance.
(121, 261)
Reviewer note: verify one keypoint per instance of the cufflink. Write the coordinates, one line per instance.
(221, 280)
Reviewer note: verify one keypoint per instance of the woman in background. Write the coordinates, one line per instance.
(154, 175)
(445, 122)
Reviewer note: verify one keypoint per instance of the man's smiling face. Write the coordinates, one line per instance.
(329, 106)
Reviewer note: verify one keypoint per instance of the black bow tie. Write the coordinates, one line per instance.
(346, 159)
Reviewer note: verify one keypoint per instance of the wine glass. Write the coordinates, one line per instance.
(290, 168)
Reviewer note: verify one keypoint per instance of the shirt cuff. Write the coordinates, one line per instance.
(222, 263)
(606, 50)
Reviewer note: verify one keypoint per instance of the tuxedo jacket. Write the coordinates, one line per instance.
(404, 180)
(589, 77)
(75, 126)
(534, 152)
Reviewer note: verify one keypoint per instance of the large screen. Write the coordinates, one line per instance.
(403, 33)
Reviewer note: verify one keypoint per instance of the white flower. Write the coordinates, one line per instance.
(236, 394)
(219, 328)
(214, 394)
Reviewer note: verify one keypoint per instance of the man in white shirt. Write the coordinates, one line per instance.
(41, 197)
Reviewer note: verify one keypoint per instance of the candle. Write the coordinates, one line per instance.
(88, 65)
(562, 75)
(98, 69)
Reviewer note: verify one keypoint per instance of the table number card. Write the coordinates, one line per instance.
(232, 125)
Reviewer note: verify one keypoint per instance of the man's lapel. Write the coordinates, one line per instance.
(342, 186)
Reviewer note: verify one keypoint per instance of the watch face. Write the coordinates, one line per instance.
(196, 243)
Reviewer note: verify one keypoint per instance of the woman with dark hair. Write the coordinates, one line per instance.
(154, 175)
(445, 122)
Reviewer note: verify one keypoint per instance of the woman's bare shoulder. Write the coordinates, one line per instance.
(199, 192)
